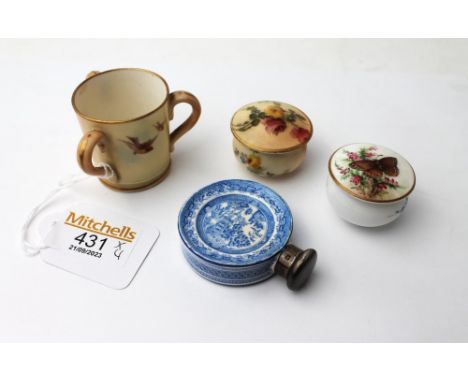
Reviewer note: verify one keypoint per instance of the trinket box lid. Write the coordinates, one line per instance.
(235, 223)
(372, 172)
(270, 126)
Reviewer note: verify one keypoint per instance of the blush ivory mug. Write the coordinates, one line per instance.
(124, 115)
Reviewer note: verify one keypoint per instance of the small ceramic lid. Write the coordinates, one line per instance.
(372, 172)
(270, 126)
(235, 223)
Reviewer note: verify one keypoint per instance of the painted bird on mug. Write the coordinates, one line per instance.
(159, 126)
(140, 148)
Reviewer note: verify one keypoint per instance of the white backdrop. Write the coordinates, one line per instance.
(404, 282)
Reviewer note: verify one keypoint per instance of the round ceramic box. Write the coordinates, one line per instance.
(236, 232)
(270, 138)
(369, 185)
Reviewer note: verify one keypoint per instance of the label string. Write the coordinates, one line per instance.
(33, 249)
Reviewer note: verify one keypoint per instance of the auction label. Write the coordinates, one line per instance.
(99, 244)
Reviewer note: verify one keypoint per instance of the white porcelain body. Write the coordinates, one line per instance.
(361, 212)
(269, 164)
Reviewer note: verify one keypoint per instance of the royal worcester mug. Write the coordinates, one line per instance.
(124, 115)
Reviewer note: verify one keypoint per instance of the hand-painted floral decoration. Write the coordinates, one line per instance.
(301, 134)
(275, 119)
(367, 171)
(372, 172)
(252, 161)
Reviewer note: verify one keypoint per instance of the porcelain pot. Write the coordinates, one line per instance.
(270, 138)
(368, 184)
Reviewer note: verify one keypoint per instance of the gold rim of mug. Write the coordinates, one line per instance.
(141, 188)
(337, 182)
(111, 122)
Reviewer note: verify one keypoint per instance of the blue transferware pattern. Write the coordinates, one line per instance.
(229, 275)
(234, 223)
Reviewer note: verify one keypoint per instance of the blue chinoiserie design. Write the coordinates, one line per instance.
(232, 230)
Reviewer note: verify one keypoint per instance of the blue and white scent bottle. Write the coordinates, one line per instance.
(236, 232)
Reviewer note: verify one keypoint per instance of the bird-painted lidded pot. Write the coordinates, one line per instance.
(270, 138)
(369, 184)
(236, 232)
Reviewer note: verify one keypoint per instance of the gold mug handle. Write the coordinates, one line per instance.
(183, 97)
(88, 142)
(84, 153)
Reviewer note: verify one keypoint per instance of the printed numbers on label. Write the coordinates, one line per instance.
(90, 241)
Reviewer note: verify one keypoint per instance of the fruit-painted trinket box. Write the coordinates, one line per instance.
(236, 232)
(369, 184)
(270, 138)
